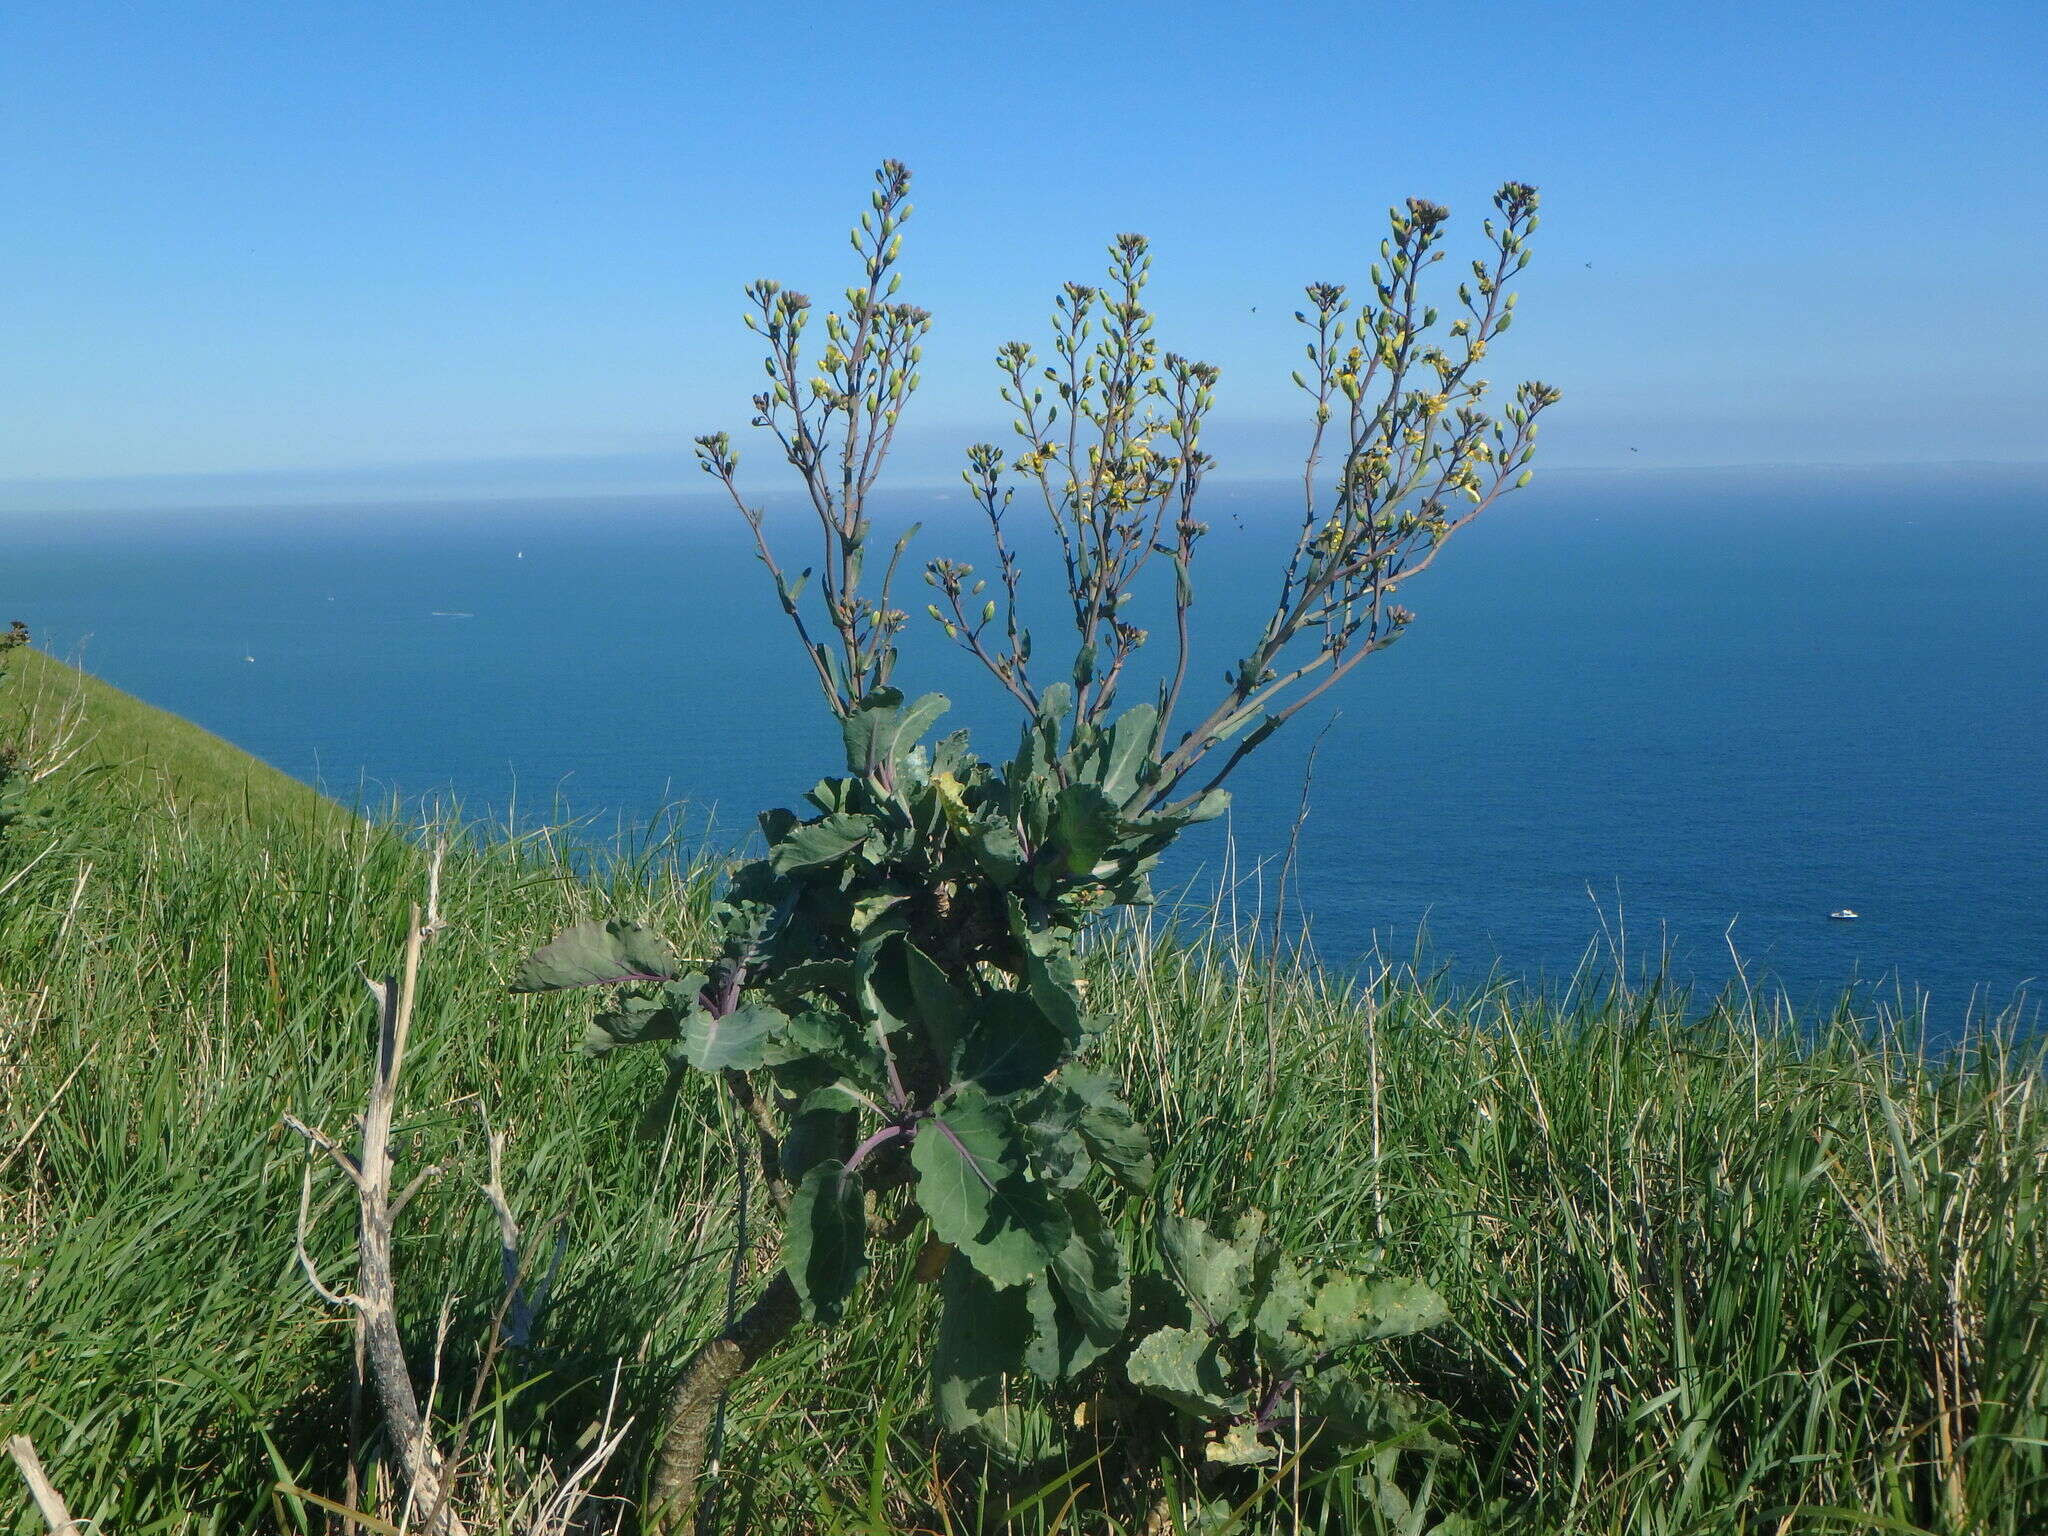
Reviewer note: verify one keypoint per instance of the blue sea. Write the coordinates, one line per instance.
(1681, 716)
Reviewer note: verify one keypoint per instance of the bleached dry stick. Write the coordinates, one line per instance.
(375, 1300)
(40, 1488)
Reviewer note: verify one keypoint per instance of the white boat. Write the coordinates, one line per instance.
(1843, 916)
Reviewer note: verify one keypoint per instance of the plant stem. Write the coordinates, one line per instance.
(686, 1426)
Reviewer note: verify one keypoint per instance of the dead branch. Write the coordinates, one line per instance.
(375, 1300)
(48, 1501)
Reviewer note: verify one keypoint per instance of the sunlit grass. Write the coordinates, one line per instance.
(1711, 1268)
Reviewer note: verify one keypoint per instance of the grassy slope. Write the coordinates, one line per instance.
(162, 759)
(1701, 1272)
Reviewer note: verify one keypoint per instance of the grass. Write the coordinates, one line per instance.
(77, 727)
(1712, 1269)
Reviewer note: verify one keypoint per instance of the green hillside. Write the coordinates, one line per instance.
(1709, 1270)
(61, 715)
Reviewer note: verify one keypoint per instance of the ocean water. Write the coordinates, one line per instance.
(1681, 715)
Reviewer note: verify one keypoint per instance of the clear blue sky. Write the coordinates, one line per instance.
(442, 246)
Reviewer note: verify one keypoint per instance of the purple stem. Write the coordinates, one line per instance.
(1280, 1389)
(885, 1135)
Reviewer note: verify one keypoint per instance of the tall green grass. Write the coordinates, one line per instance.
(1712, 1268)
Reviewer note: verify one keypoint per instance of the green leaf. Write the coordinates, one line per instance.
(824, 841)
(996, 851)
(597, 955)
(1362, 1413)
(1111, 1132)
(1085, 825)
(1238, 1446)
(816, 1135)
(825, 1249)
(865, 727)
(1214, 1276)
(973, 1184)
(1350, 1311)
(940, 1007)
(1282, 1299)
(1082, 1303)
(1187, 1370)
(878, 732)
(918, 718)
(1010, 1046)
(1092, 1286)
(1051, 981)
(638, 1019)
(1127, 752)
(983, 1335)
(839, 1042)
(878, 912)
(745, 1038)
(898, 985)
(833, 977)
(1049, 1121)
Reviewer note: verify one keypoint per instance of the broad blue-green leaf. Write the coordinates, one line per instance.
(1214, 1275)
(834, 977)
(982, 1338)
(1051, 981)
(1091, 1286)
(1049, 1121)
(1045, 1356)
(996, 850)
(1367, 1413)
(871, 721)
(1281, 1301)
(747, 1037)
(1111, 1132)
(940, 1007)
(825, 1247)
(840, 1042)
(899, 986)
(1032, 924)
(973, 1184)
(597, 955)
(816, 1136)
(1080, 1305)
(1240, 1446)
(1349, 1310)
(918, 718)
(878, 911)
(879, 731)
(824, 841)
(638, 1019)
(881, 982)
(1085, 826)
(1187, 1370)
(1010, 1045)
(1127, 751)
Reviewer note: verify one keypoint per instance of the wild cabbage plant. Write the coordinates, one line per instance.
(894, 998)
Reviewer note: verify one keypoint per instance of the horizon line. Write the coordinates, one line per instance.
(356, 484)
